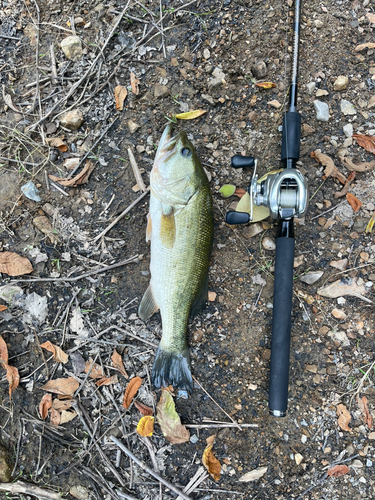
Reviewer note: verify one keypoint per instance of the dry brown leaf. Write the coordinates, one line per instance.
(371, 17)
(81, 178)
(3, 351)
(340, 289)
(13, 377)
(362, 404)
(324, 160)
(266, 85)
(366, 141)
(338, 470)
(275, 103)
(145, 410)
(134, 82)
(57, 142)
(118, 364)
(67, 416)
(8, 101)
(131, 390)
(344, 417)
(58, 354)
(55, 417)
(191, 115)
(120, 96)
(3, 308)
(96, 371)
(211, 463)
(60, 405)
(346, 187)
(107, 381)
(368, 45)
(64, 386)
(14, 265)
(145, 426)
(44, 225)
(360, 167)
(354, 202)
(45, 405)
(169, 420)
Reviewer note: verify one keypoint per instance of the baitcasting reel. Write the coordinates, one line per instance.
(284, 193)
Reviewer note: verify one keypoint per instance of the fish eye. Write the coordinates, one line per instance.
(185, 152)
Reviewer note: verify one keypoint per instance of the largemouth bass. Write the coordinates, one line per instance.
(180, 227)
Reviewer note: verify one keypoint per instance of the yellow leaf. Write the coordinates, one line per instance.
(370, 224)
(190, 115)
(145, 426)
(266, 85)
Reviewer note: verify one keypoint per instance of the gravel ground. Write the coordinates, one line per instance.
(210, 56)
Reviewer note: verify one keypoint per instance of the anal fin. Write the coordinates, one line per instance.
(148, 306)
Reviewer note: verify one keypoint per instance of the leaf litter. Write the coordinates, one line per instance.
(219, 294)
(169, 421)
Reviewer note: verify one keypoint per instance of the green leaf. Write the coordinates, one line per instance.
(227, 190)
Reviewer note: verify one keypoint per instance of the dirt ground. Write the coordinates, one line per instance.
(202, 55)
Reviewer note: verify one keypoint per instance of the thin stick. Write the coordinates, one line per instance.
(329, 210)
(148, 470)
(219, 426)
(135, 258)
(37, 89)
(113, 327)
(20, 487)
(137, 173)
(121, 215)
(88, 72)
(47, 180)
(161, 30)
(59, 188)
(217, 404)
(90, 151)
(54, 78)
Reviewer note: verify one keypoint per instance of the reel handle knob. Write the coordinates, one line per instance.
(239, 161)
(235, 218)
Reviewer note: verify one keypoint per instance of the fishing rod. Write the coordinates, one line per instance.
(285, 194)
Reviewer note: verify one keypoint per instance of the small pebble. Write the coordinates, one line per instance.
(322, 111)
(338, 313)
(348, 130)
(347, 108)
(268, 243)
(341, 83)
(312, 278)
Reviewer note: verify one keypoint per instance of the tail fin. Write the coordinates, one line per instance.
(172, 368)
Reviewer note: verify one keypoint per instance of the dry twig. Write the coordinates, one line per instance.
(148, 470)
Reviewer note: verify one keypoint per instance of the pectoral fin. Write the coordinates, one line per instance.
(148, 306)
(200, 301)
(167, 230)
(149, 228)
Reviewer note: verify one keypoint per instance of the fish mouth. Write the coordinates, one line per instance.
(167, 144)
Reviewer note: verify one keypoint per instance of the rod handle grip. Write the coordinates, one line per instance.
(281, 326)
